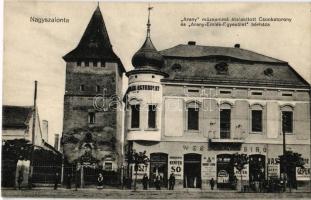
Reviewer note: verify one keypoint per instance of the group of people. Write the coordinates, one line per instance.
(158, 181)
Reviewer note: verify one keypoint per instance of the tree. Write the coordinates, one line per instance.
(239, 161)
(137, 159)
(289, 161)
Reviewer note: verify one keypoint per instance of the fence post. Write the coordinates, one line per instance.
(82, 177)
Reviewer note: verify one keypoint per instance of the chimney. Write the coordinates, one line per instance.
(237, 46)
(56, 141)
(45, 130)
(191, 43)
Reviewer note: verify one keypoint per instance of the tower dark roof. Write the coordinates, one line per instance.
(95, 43)
(147, 57)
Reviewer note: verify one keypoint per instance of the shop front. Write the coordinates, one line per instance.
(194, 165)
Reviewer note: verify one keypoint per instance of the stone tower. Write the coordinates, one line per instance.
(92, 123)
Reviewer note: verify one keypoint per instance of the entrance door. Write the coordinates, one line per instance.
(158, 166)
(257, 165)
(192, 171)
(225, 173)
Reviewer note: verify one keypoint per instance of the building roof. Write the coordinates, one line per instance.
(195, 51)
(227, 66)
(16, 116)
(95, 43)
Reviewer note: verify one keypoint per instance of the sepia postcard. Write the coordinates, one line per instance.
(164, 100)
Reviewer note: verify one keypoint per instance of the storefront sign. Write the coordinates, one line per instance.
(143, 87)
(175, 165)
(303, 174)
(223, 176)
(245, 175)
(274, 171)
(209, 168)
(142, 169)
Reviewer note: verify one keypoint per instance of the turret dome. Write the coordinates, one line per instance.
(147, 56)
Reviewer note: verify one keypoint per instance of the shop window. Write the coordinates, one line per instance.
(193, 116)
(135, 116)
(92, 119)
(152, 109)
(287, 121)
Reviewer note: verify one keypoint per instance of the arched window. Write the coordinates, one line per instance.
(256, 117)
(225, 120)
(193, 109)
(287, 119)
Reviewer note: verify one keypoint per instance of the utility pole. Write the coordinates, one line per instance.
(33, 134)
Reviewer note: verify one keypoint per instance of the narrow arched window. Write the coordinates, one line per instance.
(256, 118)
(287, 119)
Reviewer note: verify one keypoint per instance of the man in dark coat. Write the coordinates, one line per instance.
(171, 181)
(145, 182)
(212, 183)
(69, 180)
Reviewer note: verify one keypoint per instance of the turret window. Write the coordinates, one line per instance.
(135, 116)
(152, 109)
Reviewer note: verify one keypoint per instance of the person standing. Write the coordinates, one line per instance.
(171, 181)
(56, 180)
(212, 183)
(69, 180)
(157, 182)
(100, 181)
(145, 182)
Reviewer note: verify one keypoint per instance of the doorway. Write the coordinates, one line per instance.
(158, 166)
(192, 170)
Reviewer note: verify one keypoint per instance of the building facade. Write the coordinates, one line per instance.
(92, 125)
(190, 107)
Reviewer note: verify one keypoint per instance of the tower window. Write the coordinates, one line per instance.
(97, 88)
(152, 116)
(82, 88)
(135, 116)
(92, 118)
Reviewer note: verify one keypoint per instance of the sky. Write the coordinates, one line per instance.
(33, 51)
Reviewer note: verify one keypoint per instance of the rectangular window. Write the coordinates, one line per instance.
(225, 92)
(225, 123)
(257, 93)
(287, 94)
(287, 121)
(152, 116)
(97, 88)
(135, 116)
(82, 88)
(193, 119)
(91, 118)
(192, 90)
(108, 166)
(256, 120)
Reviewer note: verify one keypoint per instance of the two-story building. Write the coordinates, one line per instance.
(191, 106)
